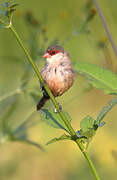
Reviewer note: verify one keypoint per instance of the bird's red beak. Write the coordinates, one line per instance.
(46, 55)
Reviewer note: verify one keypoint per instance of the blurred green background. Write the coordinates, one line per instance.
(59, 21)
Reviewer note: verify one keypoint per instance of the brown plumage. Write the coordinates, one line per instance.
(57, 73)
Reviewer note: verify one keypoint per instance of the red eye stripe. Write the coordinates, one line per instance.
(53, 52)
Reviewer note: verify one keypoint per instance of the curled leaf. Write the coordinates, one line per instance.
(105, 110)
(63, 137)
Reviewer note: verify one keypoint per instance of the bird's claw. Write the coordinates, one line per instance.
(57, 111)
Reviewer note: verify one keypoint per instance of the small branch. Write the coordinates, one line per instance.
(106, 27)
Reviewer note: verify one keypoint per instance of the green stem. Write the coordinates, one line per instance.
(68, 125)
(91, 166)
(61, 114)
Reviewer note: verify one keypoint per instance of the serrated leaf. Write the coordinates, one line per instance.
(87, 128)
(87, 131)
(6, 10)
(61, 138)
(105, 110)
(99, 77)
(87, 124)
(53, 119)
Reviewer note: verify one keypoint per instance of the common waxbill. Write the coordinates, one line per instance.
(57, 73)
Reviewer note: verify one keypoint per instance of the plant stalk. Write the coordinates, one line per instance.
(106, 27)
(93, 169)
(61, 114)
(71, 130)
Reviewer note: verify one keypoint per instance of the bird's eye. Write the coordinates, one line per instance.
(53, 52)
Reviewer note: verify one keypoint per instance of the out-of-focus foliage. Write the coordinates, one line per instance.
(7, 7)
(77, 27)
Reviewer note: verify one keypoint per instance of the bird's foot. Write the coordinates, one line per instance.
(60, 109)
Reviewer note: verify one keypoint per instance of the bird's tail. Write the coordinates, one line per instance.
(42, 102)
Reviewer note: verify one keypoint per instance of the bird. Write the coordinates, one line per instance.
(57, 73)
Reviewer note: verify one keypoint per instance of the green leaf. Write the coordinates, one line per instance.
(105, 110)
(87, 127)
(14, 5)
(63, 137)
(99, 77)
(87, 131)
(28, 122)
(19, 132)
(86, 123)
(4, 124)
(2, 26)
(6, 103)
(53, 119)
(6, 10)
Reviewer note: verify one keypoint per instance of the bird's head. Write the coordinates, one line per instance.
(54, 54)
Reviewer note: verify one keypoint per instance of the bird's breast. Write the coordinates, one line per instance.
(59, 79)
